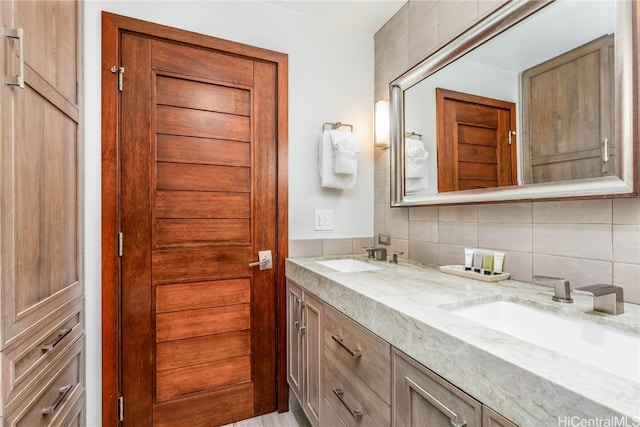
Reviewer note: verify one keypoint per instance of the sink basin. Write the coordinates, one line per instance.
(349, 265)
(605, 348)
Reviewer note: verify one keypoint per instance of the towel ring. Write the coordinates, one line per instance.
(410, 134)
(336, 125)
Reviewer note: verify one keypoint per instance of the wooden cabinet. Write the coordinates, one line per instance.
(304, 349)
(346, 376)
(491, 418)
(41, 286)
(568, 124)
(356, 382)
(420, 398)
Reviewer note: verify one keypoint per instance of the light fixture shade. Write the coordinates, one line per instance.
(381, 120)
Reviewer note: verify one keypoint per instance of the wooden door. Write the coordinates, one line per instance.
(476, 144)
(198, 195)
(40, 164)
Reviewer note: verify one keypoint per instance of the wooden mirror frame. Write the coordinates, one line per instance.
(623, 184)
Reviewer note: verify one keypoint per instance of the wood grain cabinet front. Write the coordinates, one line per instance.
(304, 349)
(356, 382)
(422, 398)
(24, 362)
(491, 418)
(364, 353)
(55, 399)
(41, 209)
(344, 375)
(354, 402)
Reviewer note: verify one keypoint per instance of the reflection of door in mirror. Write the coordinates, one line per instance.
(568, 115)
(475, 143)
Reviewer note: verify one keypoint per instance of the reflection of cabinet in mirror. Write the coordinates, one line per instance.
(474, 144)
(568, 113)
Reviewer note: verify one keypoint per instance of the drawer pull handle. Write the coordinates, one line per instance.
(51, 345)
(340, 340)
(453, 417)
(356, 413)
(62, 393)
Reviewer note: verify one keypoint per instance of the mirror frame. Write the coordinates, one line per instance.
(623, 184)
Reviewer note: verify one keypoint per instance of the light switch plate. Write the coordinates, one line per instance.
(323, 219)
(384, 239)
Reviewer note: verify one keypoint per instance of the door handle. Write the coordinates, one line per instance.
(18, 34)
(265, 260)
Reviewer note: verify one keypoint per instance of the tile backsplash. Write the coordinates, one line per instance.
(586, 241)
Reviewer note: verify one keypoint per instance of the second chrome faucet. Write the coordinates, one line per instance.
(560, 285)
(606, 298)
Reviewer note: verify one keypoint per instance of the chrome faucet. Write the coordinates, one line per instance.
(394, 256)
(606, 298)
(560, 285)
(379, 254)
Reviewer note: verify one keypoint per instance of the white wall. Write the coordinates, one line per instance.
(330, 79)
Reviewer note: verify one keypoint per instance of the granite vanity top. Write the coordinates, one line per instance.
(408, 305)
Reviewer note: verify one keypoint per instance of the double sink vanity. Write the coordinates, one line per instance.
(377, 343)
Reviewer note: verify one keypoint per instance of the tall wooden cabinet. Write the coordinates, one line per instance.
(41, 288)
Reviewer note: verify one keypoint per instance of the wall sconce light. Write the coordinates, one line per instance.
(381, 123)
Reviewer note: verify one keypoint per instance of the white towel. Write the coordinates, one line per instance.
(345, 152)
(338, 154)
(416, 158)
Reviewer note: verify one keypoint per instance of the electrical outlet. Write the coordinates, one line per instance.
(323, 219)
(384, 239)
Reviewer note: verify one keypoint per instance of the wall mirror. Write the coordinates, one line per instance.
(564, 125)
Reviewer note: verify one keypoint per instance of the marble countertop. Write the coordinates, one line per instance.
(408, 305)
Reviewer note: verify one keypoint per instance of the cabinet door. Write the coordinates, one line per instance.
(40, 164)
(294, 342)
(312, 345)
(491, 418)
(421, 398)
(568, 112)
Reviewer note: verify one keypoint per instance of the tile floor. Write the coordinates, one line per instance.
(288, 419)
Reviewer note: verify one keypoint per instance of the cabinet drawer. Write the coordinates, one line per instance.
(491, 418)
(52, 399)
(329, 416)
(366, 354)
(348, 395)
(422, 398)
(25, 360)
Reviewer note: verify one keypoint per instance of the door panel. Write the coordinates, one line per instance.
(198, 220)
(183, 149)
(202, 64)
(474, 150)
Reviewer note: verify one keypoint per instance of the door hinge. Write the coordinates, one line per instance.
(120, 243)
(120, 408)
(511, 134)
(120, 71)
